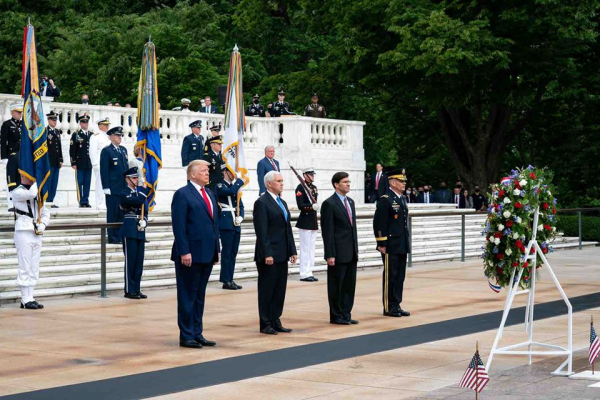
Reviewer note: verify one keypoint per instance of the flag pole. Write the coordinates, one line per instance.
(477, 371)
(591, 326)
(237, 167)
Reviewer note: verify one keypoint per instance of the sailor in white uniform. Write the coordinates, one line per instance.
(98, 141)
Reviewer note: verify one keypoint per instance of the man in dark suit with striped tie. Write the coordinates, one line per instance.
(269, 163)
(274, 248)
(340, 238)
(195, 220)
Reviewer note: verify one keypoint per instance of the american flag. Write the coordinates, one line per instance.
(476, 376)
(594, 344)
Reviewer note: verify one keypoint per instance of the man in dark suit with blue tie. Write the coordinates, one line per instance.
(195, 221)
(208, 107)
(193, 144)
(113, 163)
(267, 164)
(340, 239)
(274, 248)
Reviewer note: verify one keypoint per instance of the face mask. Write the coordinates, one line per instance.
(408, 192)
(476, 190)
(426, 190)
(255, 101)
(84, 101)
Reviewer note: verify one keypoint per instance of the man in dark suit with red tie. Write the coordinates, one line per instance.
(195, 220)
(269, 163)
(379, 182)
(274, 248)
(340, 238)
(457, 198)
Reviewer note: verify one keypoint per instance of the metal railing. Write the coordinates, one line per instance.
(579, 212)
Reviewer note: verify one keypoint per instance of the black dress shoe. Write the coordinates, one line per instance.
(54, 206)
(87, 206)
(392, 314)
(12, 209)
(404, 313)
(339, 322)
(315, 279)
(229, 286)
(135, 296)
(205, 342)
(268, 330)
(353, 321)
(236, 285)
(282, 329)
(309, 279)
(192, 344)
(39, 306)
(30, 305)
(142, 295)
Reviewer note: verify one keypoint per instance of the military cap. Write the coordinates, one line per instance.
(16, 107)
(185, 101)
(84, 118)
(117, 130)
(103, 121)
(215, 128)
(131, 172)
(223, 167)
(399, 174)
(196, 124)
(52, 116)
(256, 96)
(215, 139)
(314, 94)
(281, 93)
(309, 171)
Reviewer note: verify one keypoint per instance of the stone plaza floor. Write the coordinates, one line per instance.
(87, 338)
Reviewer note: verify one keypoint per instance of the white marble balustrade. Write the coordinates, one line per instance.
(326, 144)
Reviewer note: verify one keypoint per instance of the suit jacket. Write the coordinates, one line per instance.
(443, 196)
(461, 200)
(262, 168)
(194, 230)
(274, 237)
(422, 198)
(340, 238)
(384, 184)
(209, 110)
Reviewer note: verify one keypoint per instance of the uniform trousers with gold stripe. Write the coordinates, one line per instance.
(394, 272)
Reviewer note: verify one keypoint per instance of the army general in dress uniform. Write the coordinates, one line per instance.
(255, 109)
(314, 109)
(55, 154)
(79, 152)
(212, 154)
(390, 224)
(134, 206)
(113, 163)
(229, 226)
(193, 145)
(307, 224)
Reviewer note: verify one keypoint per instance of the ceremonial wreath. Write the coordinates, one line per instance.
(509, 226)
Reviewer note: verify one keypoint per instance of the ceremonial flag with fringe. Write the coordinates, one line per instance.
(34, 161)
(235, 122)
(148, 136)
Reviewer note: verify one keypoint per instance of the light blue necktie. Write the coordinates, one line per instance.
(282, 208)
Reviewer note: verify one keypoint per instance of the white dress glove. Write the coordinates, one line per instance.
(4, 162)
(41, 227)
(239, 220)
(106, 191)
(316, 207)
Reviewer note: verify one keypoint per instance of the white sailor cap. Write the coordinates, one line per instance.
(103, 121)
(16, 107)
(309, 171)
(185, 101)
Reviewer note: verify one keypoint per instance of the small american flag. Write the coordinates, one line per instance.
(476, 376)
(594, 344)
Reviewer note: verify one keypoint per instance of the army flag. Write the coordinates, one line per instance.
(34, 161)
(148, 136)
(235, 122)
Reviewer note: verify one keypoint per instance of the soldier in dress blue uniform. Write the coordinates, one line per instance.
(192, 148)
(390, 224)
(79, 152)
(212, 154)
(279, 107)
(113, 163)
(229, 226)
(55, 154)
(10, 143)
(134, 205)
(255, 109)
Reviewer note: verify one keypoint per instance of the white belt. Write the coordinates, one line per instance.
(227, 207)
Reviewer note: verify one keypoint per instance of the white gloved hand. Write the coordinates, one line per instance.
(41, 227)
(4, 161)
(106, 191)
(238, 220)
(316, 207)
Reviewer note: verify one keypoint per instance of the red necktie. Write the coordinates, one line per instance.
(377, 182)
(273, 164)
(348, 209)
(207, 201)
